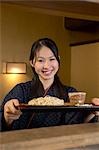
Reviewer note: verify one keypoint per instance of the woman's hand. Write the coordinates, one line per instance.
(95, 101)
(11, 113)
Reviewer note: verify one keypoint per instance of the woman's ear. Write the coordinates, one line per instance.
(59, 57)
(31, 63)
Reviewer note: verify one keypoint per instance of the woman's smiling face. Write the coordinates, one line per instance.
(45, 64)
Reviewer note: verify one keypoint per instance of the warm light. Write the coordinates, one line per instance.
(13, 70)
(14, 67)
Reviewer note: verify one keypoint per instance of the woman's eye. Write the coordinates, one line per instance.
(52, 59)
(40, 60)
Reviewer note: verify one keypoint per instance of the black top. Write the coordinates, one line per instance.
(23, 92)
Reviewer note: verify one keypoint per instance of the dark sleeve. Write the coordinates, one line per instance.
(71, 89)
(16, 93)
(19, 92)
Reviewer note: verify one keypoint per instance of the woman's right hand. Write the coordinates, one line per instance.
(11, 113)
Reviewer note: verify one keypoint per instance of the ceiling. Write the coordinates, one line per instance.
(86, 9)
(77, 13)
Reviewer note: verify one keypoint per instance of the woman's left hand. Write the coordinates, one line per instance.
(95, 101)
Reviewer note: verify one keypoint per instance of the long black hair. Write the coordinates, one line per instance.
(37, 88)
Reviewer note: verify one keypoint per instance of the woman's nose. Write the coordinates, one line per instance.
(46, 64)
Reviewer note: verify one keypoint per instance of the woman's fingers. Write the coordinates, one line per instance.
(95, 101)
(14, 117)
(11, 113)
(12, 106)
(11, 118)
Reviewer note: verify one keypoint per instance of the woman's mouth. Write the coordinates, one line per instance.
(47, 72)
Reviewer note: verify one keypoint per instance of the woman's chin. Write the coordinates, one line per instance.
(47, 77)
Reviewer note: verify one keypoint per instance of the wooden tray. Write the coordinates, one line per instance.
(26, 107)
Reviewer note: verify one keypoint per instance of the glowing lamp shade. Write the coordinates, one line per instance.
(14, 67)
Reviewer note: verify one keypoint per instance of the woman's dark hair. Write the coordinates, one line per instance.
(37, 45)
(37, 88)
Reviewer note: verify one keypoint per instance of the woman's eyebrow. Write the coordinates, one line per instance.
(46, 57)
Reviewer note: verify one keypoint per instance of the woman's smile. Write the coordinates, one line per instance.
(47, 72)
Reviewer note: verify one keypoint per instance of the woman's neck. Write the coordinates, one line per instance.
(46, 83)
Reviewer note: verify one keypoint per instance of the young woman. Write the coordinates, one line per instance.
(45, 62)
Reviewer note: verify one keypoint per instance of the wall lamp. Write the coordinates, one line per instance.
(14, 68)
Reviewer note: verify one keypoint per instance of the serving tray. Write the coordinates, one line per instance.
(26, 107)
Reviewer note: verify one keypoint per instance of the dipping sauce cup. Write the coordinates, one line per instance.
(77, 98)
